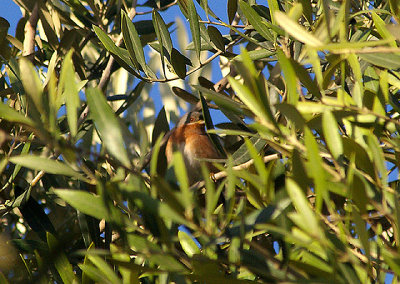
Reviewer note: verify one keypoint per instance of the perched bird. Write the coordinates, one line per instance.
(190, 138)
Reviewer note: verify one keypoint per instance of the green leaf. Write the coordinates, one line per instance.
(46, 164)
(256, 54)
(362, 160)
(331, 133)
(232, 9)
(60, 260)
(309, 222)
(307, 10)
(161, 126)
(242, 155)
(305, 78)
(361, 229)
(223, 101)
(178, 63)
(29, 246)
(32, 83)
(185, 95)
(133, 96)
(394, 6)
(120, 54)
(256, 20)
(255, 155)
(107, 124)
(17, 168)
(194, 26)
(154, 163)
(182, 177)
(162, 31)
(105, 269)
(382, 30)
(86, 202)
(378, 156)
(216, 38)
(68, 83)
(296, 31)
(358, 90)
(159, 27)
(157, 208)
(290, 78)
(209, 125)
(93, 273)
(12, 115)
(132, 41)
(385, 60)
(292, 114)
(315, 168)
(85, 277)
(188, 244)
(249, 99)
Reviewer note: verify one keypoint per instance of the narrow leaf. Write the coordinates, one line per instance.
(107, 124)
(12, 115)
(85, 202)
(290, 78)
(255, 20)
(331, 133)
(188, 244)
(194, 26)
(45, 164)
(295, 30)
(232, 8)
(178, 63)
(64, 268)
(157, 28)
(70, 93)
(31, 83)
(216, 38)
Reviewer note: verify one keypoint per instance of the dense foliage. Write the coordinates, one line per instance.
(308, 190)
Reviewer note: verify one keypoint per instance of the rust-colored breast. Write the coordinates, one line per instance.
(192, 141)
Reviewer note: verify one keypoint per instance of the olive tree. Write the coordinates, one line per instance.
(308, 188)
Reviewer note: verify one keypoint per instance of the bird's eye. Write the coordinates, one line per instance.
(192, 119)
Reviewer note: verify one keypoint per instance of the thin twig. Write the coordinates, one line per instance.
(105, 77)
(158, 9)
(219, 24)
(246, 165)
(202, 64)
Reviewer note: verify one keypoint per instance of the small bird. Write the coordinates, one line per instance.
(190, 138)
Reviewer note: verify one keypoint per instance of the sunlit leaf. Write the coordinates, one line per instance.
(188, 244)
(255, 20)
(107, 125)
(45, 164)
(71, 95)
(12, 115)
(61, 262)
(85, 202)
(194, 26)
(332, 134)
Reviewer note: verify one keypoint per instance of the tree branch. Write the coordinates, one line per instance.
(222, 174)
(105, 77)
(30, 33)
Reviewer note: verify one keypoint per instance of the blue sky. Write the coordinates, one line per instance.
(11, 12)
